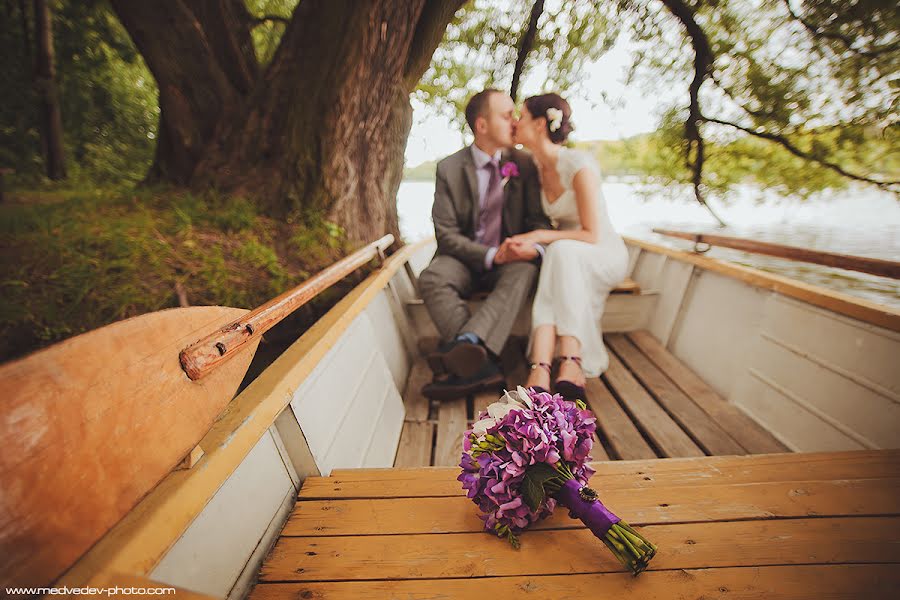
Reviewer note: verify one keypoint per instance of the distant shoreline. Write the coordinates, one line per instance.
(411, 177)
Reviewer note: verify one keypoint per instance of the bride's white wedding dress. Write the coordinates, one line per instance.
(576, 277)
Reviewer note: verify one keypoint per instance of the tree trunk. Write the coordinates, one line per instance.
(26, 30)
(45, 82)
(320, 132)
(325, 133)
(526, 43)
(195, 90)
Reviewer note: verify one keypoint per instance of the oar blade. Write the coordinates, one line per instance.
(89, 426)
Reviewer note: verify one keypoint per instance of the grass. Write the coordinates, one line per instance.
(76, 259)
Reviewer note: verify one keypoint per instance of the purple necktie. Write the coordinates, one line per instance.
(490, 215)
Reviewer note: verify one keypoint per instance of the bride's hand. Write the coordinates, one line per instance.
(525, 239)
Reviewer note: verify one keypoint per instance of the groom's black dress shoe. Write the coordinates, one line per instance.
(458, 358)
(488, 377)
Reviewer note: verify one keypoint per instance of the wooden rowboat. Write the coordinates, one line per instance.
(747, 420)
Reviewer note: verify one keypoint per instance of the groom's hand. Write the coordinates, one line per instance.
(513, 251)
(502, 255)
(524, 252)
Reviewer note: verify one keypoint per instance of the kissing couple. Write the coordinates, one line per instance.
(503, 218)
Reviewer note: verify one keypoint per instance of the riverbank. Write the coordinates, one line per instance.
(75, 260)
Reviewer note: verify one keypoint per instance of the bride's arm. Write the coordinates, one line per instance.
(586, 185)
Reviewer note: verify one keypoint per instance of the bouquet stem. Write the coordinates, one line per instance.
(631, 548)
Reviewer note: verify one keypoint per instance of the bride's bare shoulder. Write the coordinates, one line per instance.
(576, 155)
(573, 160)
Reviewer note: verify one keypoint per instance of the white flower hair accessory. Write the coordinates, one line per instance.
(554, 118)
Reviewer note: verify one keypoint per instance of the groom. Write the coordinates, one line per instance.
(484, 194)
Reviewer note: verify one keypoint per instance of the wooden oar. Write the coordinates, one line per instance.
(90, 425)
(863, 264)
(202, 357)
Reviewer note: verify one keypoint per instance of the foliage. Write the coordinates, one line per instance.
(657, 158)
(74, 260)
(480, 47)
(819, 75)
(272, 17)
(108, 96)
(773, 77)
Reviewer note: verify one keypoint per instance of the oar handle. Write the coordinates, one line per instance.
(203, 356)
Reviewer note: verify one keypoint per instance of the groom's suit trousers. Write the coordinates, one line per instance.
(447, 282)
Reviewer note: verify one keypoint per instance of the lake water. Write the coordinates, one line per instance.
(857, 220)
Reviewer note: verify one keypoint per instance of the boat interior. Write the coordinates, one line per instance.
(652, 406)
(742, 401)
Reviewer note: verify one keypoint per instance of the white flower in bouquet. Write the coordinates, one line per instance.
(496, 411)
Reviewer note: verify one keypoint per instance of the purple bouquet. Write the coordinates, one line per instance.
(527, 453)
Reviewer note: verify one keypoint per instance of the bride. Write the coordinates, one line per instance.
(584, 257)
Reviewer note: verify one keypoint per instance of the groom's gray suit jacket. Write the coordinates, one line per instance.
(458, 267)
(456, 205)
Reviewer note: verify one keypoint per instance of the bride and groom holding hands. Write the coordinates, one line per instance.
(504, 218)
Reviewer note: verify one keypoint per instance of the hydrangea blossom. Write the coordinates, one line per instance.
(522, 429)
(529, 452)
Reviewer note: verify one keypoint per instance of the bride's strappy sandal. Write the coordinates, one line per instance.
(540, 365)
(568, 389)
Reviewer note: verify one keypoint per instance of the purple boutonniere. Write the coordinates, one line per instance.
(508, 170)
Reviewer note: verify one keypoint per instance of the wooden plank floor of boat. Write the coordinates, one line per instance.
(764, 526)
(648, 404)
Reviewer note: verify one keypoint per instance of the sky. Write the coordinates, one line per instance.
(629, 111)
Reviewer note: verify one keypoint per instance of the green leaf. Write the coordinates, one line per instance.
(533, 484)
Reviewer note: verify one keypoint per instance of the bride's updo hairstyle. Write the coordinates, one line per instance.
(538, 107)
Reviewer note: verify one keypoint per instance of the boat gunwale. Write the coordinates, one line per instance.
(881, 315)
(141, 539)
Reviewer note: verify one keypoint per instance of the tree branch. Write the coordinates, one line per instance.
(226, 24)
(759, 114)
(194, 90)
(433, 21)
(820, 32)
(526, 43)
(783, 141)
(790, 147)
(703, 60)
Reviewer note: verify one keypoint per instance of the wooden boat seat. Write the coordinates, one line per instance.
(648, 405)
(628, 286)
(770, 526)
